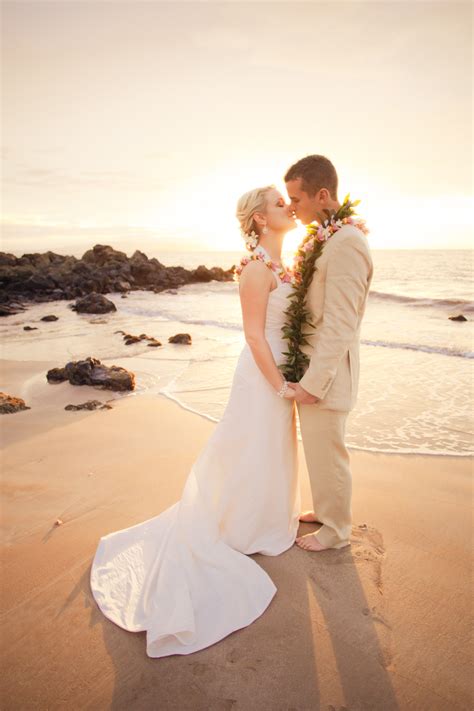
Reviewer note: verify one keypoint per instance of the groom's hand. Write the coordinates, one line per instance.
(303, 397)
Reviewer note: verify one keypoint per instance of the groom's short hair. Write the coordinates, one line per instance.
(316, 172)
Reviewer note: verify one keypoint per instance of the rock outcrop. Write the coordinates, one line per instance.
(101, 270)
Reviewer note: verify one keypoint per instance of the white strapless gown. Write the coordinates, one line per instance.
(184, 576)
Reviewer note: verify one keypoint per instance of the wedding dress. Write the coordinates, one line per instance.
(184, 576)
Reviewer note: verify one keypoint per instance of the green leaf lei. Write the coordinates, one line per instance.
(298, 317)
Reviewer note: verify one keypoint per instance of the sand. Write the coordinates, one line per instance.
(384, 624)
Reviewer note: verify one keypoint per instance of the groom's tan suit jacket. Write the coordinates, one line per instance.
(336, 300)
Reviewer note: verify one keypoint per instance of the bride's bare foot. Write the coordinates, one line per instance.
(309, 517)
(310, 543)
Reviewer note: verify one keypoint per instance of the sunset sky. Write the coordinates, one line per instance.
(138, 124)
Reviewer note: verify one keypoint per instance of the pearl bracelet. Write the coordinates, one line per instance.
(281, 392)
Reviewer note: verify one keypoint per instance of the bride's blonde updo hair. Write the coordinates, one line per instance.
(251, 202)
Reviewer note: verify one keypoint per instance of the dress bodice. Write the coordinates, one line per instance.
(277, 302)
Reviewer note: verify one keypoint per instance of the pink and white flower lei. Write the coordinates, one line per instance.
(285, 275)
(321, 233)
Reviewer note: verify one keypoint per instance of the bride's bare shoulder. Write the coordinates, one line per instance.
(254, 271)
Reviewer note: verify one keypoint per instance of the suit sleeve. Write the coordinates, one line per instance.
(346, 286)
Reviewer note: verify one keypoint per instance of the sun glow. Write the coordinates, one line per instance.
(200, 213)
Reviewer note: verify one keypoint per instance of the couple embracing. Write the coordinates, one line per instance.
(185, 576)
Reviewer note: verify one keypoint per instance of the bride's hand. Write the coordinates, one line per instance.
(291, 392)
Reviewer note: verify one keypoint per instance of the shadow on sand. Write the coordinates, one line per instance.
(323, 643)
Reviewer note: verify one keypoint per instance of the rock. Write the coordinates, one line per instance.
(30, 328)
(91, 372)
(39, 282)
(102, 254)
(183, 338)
(56, 375)
(101, 270)
(7, 259)
(124, 296)
(154, 344)
(129, 339)
(9, 310)
(171, 291)
(459, 317)
(10, 404)
(50, 317)
(203, 274)
(94, 304)
(122, 285)
(90, 405)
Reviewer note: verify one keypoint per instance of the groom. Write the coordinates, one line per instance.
(327, 392)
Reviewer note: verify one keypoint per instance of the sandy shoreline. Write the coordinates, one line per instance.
(382, 625)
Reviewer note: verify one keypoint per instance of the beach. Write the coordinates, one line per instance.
(383, 624)
(147, 146)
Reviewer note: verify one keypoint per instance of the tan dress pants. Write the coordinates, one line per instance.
(327, 459)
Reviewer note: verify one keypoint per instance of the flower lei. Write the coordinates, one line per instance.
(298, 317)
(285, 276)
(250, 239)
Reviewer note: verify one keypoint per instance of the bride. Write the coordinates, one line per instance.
(184, 576)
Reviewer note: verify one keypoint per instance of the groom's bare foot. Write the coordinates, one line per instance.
(309, 542)
(309, 517)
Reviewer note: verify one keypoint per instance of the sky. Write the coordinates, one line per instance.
(139, 124)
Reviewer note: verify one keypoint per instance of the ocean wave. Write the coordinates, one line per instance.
(439, 350)
(162, 316)
(395, 449)
(232, 326)
(453, 304)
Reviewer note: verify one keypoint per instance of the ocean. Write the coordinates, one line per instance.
(416, 381)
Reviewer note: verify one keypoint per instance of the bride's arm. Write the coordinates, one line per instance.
(255, 285)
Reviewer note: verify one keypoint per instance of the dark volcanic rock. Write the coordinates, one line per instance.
(90, 405)
(7, 259)
(94, 304)
(50, 317)
(459, 317)
(11, 309)
(154, 343)
(56, 375)
(102, 254)
(91, 372)
(183, 338)
(30, 328)
(101, 270)
(10, 404)
(215, 274)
